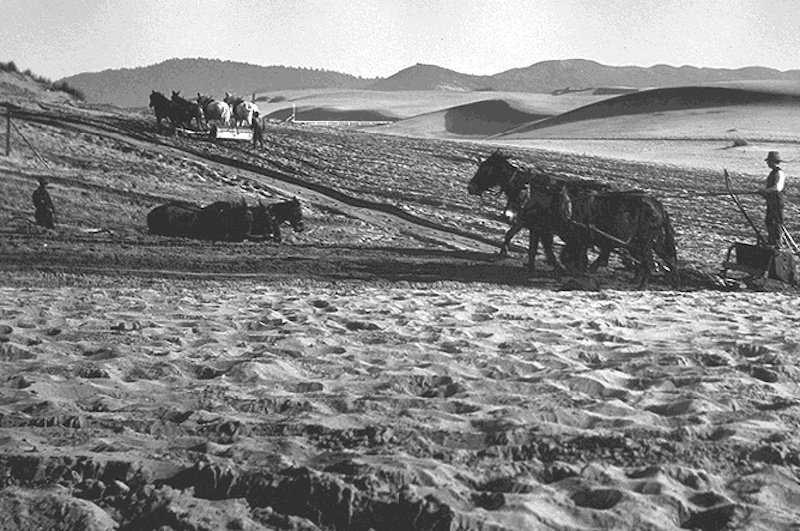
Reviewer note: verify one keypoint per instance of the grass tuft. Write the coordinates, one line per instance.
(740, 142)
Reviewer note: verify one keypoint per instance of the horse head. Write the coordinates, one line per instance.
(295, 216)
(496, 170)
(204, 100)
(155, 98)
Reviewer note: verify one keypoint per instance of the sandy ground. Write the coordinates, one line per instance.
(383, 369)
(519, 408)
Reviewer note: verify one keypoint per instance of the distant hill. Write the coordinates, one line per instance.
(548, 76)
(131, 87)
(574, 75)
(431, 77)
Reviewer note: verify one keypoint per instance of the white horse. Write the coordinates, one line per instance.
(242, 110)
(214, 110)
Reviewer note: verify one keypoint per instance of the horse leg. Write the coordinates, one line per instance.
(515, 228)
(601, 260)
(533, 248)
(547, 245)
(646, 264)
(573, 256)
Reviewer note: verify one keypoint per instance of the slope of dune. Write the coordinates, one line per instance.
(672, 99)
(480, 119)
(321, 114)
(409, 104)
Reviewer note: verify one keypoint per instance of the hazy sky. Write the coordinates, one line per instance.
(370, 38)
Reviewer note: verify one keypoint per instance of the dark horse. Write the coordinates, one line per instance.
(225, 221)
(163, 108)
(631, 220)
(187, 110)
(222, 220)
(285, 211)
(497, 172)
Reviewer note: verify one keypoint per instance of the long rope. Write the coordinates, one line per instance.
(33, 149)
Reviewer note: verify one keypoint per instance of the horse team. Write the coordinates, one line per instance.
(225, 220)
(180, 112)
(221, 220)
(584, 214)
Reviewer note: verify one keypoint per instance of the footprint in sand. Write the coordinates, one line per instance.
(597, 498)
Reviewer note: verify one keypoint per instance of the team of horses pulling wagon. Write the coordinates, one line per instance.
(229, 118)
(584, 214)
(588, 214)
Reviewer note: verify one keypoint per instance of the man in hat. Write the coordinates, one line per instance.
(258, 130)
(45, 211)
(773, 193)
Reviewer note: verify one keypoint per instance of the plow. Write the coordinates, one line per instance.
(752, 264)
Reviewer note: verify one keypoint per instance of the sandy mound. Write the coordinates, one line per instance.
(480, 118)
(473, 119)
(332, 114)
(668, 99)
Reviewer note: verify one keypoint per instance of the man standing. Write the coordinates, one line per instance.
(258, 130)
(773, 193)
(45, 211)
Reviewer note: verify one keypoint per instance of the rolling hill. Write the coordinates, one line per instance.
(130, 87)
(548, 76)
(431, 77)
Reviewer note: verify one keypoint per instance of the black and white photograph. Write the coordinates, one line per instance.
(384, 265)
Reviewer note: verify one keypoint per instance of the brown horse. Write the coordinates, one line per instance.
(187, 110)
(632, 220)
(219, 221)
(496, 171)
(163, 108)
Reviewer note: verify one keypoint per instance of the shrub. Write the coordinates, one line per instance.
(9, 67)
(740, 142)
(63, 86)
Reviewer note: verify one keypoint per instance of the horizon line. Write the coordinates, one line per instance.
(733, 69)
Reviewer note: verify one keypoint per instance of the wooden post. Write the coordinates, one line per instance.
(8, 130)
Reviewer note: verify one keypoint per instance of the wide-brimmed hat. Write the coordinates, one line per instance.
(43, 180)
(773, 156)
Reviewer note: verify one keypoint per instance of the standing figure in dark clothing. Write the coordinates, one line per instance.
(258, 130)
(773, 193)
(45, 211)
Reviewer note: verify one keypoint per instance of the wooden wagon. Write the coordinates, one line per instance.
(216, 132)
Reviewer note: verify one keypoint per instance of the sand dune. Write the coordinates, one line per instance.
(664, 100)
(473, 119)
(331, 114)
